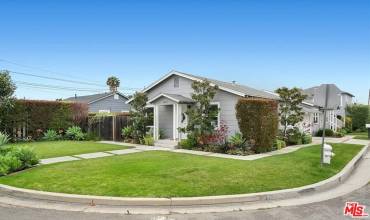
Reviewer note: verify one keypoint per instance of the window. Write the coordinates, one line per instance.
(104, 111)
(116, 96)
(315, 118)
(216, 119)
(176, 82)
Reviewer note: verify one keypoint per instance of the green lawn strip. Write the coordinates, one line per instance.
(48, 149)
(360, 135)
(167, 174)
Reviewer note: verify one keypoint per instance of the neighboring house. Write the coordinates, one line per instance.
(111, 102)
(338, 100)
(170, 97)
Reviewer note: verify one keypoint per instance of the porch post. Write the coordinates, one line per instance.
(155, 120)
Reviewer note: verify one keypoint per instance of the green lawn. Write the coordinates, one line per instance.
(360, 135)
(166, 174)
(47, 149)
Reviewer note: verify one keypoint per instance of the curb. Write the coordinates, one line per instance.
(189, 201)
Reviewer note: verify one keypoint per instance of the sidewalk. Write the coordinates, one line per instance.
(141, 148)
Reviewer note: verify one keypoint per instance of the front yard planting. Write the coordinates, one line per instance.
(47, 149)
(168, 174)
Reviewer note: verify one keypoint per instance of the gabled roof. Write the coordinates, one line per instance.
(93, 98)
(234, 88)
(173, 97)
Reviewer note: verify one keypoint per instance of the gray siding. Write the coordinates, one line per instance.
(227, 110)
(109, 103)
(167, 86)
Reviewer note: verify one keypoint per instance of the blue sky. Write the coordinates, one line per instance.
(263, 44)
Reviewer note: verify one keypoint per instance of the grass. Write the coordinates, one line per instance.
(47, 149)
(360, 135)
(166, 174)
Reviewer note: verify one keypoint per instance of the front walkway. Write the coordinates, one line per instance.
(141, 148)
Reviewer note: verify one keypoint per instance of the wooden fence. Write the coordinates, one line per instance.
(108, 127)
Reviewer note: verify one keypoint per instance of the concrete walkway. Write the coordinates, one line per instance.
(141, 148)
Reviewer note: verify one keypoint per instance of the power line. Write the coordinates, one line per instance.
(37, 68)
(57, 87)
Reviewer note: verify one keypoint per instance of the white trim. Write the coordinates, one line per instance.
(162, 94)
(107, 97)
(173, 72)
(218, 114)
(173, 121)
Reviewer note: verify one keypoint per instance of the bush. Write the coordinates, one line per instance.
(75, 133)
(294, 136)
(4, 138)
(43, 115)
(279, 144)
(189, 143)
(258, 122)
(148, 140)
(306, 138)
(26, 155)
(9, 163)
(328, 133)
(127, 132)
(51, 135)
(237, 140)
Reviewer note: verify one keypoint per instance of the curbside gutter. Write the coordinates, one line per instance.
(188, 201)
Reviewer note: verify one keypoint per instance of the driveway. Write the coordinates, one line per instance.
(331, 209)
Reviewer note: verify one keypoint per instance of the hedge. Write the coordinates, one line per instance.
(37, 116)
(258, 122)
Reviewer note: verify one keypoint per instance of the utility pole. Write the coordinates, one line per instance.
(324, 123)
(368, 102)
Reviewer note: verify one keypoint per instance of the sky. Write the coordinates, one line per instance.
(262, 44)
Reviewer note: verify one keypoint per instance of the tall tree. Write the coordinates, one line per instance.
(289, 107)
(139, 115)
(202, 115)
(7, 89)
(113, 83)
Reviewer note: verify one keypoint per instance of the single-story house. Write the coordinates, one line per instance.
(109, 102)
(170, 97)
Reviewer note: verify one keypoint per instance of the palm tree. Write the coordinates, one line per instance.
(113, 82)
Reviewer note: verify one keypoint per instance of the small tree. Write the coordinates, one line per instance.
(202, 115)
(289, 106)
(140, 117)
(113, 83)
(359, 114)
(7, 89)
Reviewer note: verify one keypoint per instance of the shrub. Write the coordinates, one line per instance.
(294, 136)
(237, 140)
(328, 133)
(75, 133)
(51, 135)
(258, 122)
(9, 163)
(127, 132)
(189, 143)
(4, 138)
(306, 138)
(148, 140)
(279, 144)
(26, 155)
(43, 115)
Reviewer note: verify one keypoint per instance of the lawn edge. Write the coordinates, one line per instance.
(186, 201)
